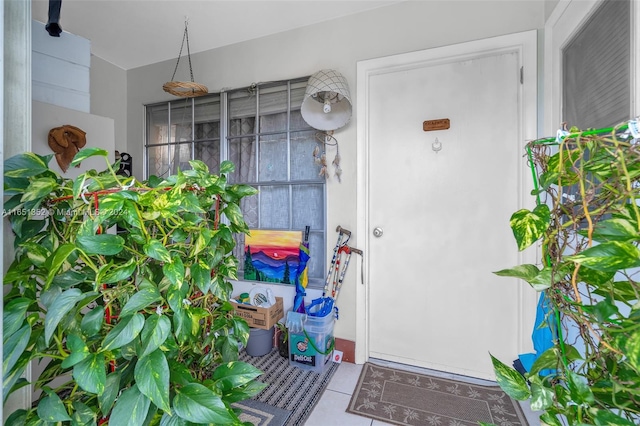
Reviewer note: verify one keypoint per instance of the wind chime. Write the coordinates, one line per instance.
(185, 89)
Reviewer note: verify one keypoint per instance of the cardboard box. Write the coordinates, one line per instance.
(258, 317)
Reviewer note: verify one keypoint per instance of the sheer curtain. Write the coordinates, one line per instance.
(242, 153)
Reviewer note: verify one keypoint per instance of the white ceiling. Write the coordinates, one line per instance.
(133, 33)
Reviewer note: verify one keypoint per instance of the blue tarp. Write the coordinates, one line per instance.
(543, 333)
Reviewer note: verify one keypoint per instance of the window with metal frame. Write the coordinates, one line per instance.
(260, 129)
(596, 75)
(596, 69)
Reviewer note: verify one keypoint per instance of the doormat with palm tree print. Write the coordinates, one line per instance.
(407, 398)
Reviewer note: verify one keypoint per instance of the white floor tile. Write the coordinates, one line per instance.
(345, 378)
(331, 410)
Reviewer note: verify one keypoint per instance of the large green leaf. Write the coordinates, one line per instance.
(173, 420)
(14, 186)
(541, 395)
(227, 167)
(90, 373)
(51, 409)
(110, 206)
(234, 374)
(245, 392)
(549, 359)
(596, 278)
(525, 272)
(152, 377)
(25, 165)
(156, 330)
(70, 277)
(58, 258)
(83, 415)
(529, 226)
(176, 293)
(201, 275)
(147, 294)
(92, 321)
(14, 346)
(106, 244)
(180, 373)
(130, 213)
(603, 310)
(111, 391)
(548, 277)
(36, 253)
(198, 404)
(156, 250)
(234, 214)
(182, 325)
(579, 389)
(241, 329)
(131, 409)
(616, 229)
(59, 308)
(118, 272)
(241, 191)
(201, 242)
(633, 349)
(189, 202)
(607, 418)
(85, 153)
(174, 270)
(78, 351)
(608, 257)
(511, 382)
(17, 418)
(78, 185)
(124, 332)
(13, 315)
(39, 188)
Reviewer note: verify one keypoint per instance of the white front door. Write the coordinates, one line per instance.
(436, 204)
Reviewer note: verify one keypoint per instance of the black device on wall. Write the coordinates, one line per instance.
(125, 168)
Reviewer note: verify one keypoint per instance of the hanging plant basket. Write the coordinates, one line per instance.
(185, 89)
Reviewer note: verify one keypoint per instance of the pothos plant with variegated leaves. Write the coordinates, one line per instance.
(132, 327)
(588, 222)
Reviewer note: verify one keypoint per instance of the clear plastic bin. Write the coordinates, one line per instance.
(312, 347)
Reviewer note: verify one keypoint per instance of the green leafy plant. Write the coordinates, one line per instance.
(131, 327)
(283, 339)
(588, 220)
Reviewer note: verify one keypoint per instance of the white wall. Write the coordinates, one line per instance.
(60, 68)
(109, 96)
(339, 44)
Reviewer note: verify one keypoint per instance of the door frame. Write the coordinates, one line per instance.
(525, 45)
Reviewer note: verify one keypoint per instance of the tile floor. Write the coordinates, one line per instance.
(331, 409)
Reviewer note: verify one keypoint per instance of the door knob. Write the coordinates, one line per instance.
(377, 232)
